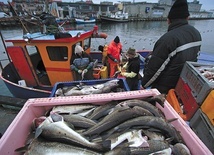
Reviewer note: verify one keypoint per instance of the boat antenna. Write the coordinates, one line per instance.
(15, 13)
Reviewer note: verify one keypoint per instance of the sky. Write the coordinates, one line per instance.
(206, 4)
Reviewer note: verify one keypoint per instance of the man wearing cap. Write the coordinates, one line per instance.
(113, 53)
(181, 43)
(81, 64)
(132, 68)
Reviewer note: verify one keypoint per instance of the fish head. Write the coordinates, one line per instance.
(39, 129)
(37, 121)
(59, 92)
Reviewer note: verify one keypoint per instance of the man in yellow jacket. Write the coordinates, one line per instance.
(132, 68)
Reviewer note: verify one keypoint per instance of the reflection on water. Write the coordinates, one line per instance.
(140, 35)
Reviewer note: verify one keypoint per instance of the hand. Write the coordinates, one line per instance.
(79, 71)
(85, 70)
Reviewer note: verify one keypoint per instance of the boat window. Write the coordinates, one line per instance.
(87, 43)
(57, 53)
(34, 54)
(31, 49)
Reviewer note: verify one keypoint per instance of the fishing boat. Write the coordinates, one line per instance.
(118, 16)
(84, 21)
(39, 60)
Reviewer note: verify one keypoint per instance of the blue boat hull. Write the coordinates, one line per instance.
(25, 92)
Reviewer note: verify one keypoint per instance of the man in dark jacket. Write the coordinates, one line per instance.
(81, 64)
(132, 68)
(181, 43)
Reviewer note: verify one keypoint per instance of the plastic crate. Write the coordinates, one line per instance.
(16, 134)
(96, 73)
(104, 72)
(199, 85)
(123, 86)
(208, 107)
(183, 92)
(173, 101)
(203, 129)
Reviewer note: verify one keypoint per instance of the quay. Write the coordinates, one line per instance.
(137, 11)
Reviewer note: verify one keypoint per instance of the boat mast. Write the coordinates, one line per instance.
(14, 11)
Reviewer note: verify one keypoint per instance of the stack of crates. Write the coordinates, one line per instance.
(193, 100)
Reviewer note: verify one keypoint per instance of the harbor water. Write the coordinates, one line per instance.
(140, 35)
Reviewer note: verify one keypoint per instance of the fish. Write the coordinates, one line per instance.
(86, 113)
(78, 121)
(144, 104)
(72, 109)
(151, 122)
(180, 149)
(102, 110)
(153, 135)
(59, 131)
(154, 146)
(88, 89)
(116, 117)
(134, 138)
(42, 147)
(167, 151)
(45, 122)
(119, 151)
(37, 121)
(157, 98)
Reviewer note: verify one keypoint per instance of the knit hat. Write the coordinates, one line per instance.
(116, 39)
(179, 10)
(131, 51)
(100, 48)
(78, 49)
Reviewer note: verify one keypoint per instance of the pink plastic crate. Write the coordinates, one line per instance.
(17, 132)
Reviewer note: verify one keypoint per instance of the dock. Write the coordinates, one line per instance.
(9, 108)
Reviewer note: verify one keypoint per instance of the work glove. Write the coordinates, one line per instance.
(129, 75)
(125, 66)
(85, 70)
(79, 71)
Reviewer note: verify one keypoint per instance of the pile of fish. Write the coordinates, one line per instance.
(123, 127)
(82, 89)
(208, 73)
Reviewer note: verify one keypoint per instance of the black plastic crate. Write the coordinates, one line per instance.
(201, 125)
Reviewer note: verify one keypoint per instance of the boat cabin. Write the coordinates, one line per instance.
(44, 59)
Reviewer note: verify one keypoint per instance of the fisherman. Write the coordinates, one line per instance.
(132, 68)
(181, 43)
(113, 53)
(81, 64)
